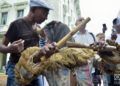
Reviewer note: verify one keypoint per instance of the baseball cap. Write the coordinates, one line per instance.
(40, 3)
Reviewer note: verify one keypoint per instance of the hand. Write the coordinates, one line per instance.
(49, 49)
(98, 45)
(46, 51)
(16, 46)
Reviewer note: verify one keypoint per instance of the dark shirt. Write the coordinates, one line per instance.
(21, 29)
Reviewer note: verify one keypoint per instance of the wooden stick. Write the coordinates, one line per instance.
(71, 33)
(68, 36)
(78, 45)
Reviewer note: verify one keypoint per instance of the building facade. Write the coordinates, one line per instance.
(65, 11)
(9, 11)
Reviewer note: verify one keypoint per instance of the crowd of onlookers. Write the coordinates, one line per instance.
(107, 78)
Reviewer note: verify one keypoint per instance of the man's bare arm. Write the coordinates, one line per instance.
(15, 47)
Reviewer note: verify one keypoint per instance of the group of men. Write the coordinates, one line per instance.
(22, 34)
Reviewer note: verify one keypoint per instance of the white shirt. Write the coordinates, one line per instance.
(85, 38)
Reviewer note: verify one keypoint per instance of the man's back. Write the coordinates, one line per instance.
(61, 77)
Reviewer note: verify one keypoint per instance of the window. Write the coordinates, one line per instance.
(64, 11)
(20, 13)
(4, 18)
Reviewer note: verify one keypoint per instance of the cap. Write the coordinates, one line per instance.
(40, 3)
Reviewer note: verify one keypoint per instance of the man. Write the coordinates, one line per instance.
(83, 36)
(24, 29)
(83, 73)
(116, 26)
(115, 37)
(55, 31)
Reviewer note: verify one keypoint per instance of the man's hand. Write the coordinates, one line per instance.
(16, 46)
(49, 49)
(98, 45)
(46, 51)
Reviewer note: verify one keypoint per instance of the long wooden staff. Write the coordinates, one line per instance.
(68, 36)
(78, 45)
(71, 33)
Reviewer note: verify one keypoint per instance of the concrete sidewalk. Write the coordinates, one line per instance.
(3, 79)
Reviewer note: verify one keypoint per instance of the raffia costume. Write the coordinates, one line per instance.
(26, 69)
(111, 58)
